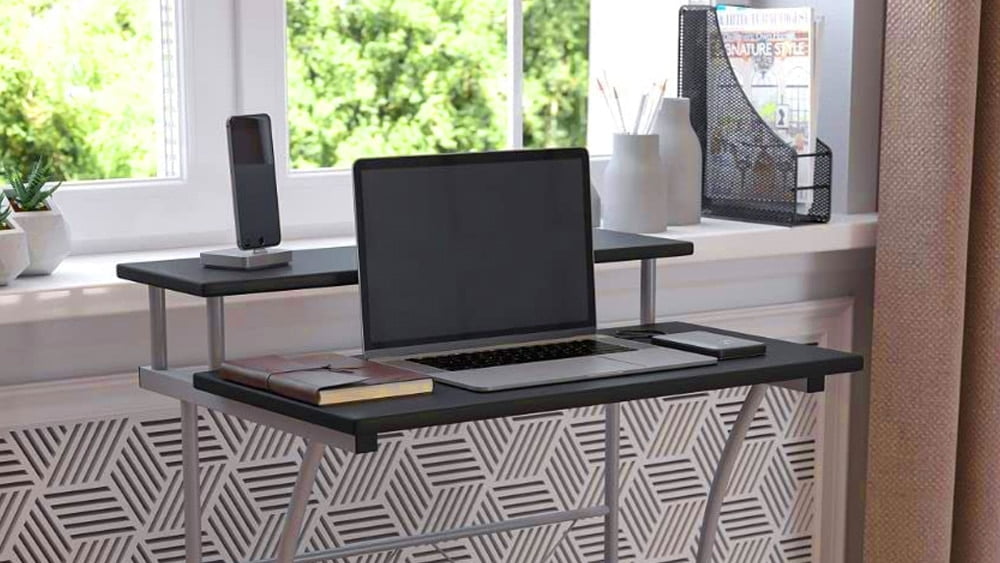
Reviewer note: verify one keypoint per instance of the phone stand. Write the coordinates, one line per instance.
(237, 259)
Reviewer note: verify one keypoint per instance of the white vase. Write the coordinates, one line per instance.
(633, 194)
(13, 252)
(48, 238)
(680, 152)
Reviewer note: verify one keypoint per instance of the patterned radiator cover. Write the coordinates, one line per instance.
(109, 490)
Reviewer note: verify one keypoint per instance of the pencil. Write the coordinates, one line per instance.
(607, 102)
(657, 106)
(618, 103)
(639, 114)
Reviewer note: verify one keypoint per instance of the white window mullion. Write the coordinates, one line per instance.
(515, 66)
(170, 163)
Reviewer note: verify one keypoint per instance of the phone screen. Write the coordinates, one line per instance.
(255, 191)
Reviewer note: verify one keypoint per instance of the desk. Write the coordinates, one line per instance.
(356, 427)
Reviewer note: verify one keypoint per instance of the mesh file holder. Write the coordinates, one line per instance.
(749, 172)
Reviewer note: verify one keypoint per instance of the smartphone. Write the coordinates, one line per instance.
(255, 190)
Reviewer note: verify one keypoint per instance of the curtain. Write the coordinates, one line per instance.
(933, 490)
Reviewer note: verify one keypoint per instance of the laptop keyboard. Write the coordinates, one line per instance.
(520, 355)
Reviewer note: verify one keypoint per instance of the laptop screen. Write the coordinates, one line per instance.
(456, 247)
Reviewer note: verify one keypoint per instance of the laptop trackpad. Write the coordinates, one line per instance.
(667, 358)
(528, 375)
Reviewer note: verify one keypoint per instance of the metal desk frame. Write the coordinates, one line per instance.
(177, 383)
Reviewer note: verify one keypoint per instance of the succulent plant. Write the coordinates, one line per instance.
(30, 194)
(5, 211)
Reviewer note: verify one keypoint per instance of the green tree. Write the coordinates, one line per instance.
(384, 77)
(81, 82)
(79, 85)
(556, 55)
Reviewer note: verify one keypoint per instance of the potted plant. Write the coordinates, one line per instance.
(13, 245)
(39, 216)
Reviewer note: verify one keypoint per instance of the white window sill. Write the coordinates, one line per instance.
(86, 285)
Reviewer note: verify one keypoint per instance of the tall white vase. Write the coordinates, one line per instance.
(633, 194)
(680, 152)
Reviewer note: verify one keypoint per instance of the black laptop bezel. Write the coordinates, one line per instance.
(385, 163)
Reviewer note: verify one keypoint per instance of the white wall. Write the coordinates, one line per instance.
(850, 82)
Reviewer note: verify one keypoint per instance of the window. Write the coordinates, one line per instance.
(131, 96)
(91, 83)
(556, 72)
(389, 77)
(633, 43)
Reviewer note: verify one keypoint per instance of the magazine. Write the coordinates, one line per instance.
(772, 53)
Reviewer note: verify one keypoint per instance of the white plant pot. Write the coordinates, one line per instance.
(13, 252)
(48, 238)
(633, 194)
(680, 152)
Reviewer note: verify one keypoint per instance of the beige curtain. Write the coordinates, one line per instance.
(933, 491)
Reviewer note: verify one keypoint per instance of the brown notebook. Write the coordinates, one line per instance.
(325, 378)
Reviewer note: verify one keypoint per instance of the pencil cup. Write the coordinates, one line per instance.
(633, 194)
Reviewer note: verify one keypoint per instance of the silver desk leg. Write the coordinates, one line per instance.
(192, 495)
(713, 508)
(612, 431)
(647, 291)
(289, 541)
(216, 332)
(158, 327)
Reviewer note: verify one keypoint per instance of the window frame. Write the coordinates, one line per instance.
(193, 207)
(319, 202)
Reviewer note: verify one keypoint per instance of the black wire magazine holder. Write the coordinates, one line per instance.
(749, 172)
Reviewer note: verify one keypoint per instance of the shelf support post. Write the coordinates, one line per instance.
(216, 332)
(647, 291)
(157, 327)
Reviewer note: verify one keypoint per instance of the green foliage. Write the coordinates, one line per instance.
(556, 64)
(30, 194)
(5, 211)
(385, 77)
(80, 85)
(81, 80)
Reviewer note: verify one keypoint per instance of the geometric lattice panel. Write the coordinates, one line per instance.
(109, 490)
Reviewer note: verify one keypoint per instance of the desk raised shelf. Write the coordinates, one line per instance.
(327, 267)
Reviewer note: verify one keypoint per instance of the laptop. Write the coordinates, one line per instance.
(478, 271)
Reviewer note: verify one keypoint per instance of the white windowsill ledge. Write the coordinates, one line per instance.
(87, 285)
